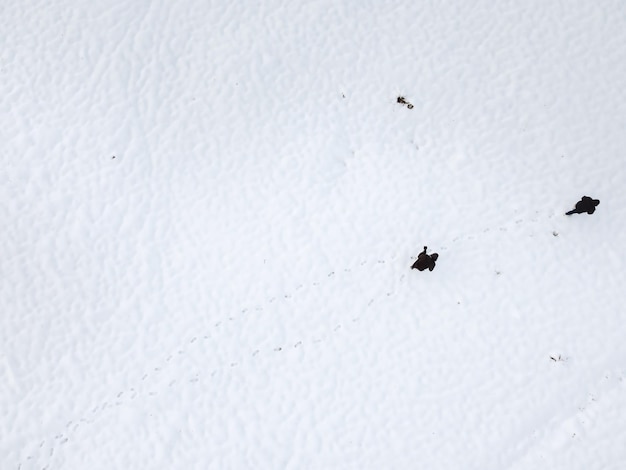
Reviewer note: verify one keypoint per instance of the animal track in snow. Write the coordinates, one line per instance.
(126, 397)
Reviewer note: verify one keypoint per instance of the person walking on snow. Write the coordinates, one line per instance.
(586, 204)
(425, 261)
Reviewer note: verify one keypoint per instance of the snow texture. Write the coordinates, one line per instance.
(210, 211)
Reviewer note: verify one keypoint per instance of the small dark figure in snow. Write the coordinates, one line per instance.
(586, 204)
(425, 261)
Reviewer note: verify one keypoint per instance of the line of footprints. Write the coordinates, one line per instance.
(126, 396)
(131, 393)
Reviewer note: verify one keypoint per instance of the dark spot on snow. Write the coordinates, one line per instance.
(586, 204)
(402, 100)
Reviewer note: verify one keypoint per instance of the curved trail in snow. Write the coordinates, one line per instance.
(42, 453)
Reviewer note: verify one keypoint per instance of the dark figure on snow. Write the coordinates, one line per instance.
(586, 204)
(425, 261)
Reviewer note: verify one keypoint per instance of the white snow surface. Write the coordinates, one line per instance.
(210, 210)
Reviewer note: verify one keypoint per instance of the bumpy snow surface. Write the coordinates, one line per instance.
(210, 209)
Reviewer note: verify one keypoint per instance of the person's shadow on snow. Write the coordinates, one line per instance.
(425, 261)
(586, 204)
